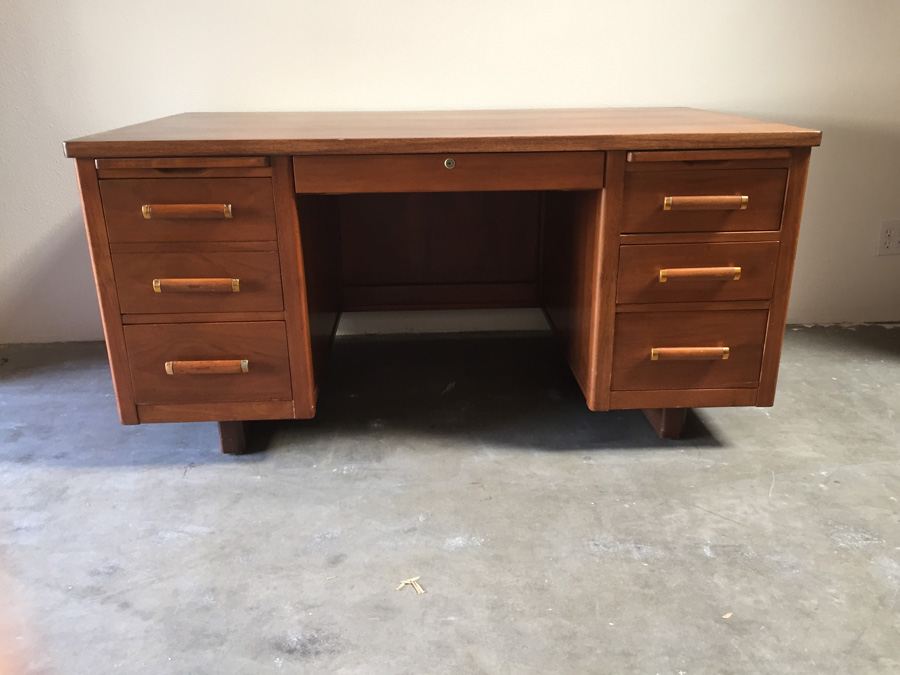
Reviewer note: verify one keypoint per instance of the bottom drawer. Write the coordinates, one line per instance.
(209, 362)
(688, 350)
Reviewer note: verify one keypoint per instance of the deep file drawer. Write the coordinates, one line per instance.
(222, 281)
(703, 200)
(688, 350)
(189, 209)
(208, 362)
(450, 172)
(696, 272)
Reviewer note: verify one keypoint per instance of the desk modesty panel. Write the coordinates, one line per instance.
(659, 242)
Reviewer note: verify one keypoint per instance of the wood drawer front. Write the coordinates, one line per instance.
(452, 172)
(202, 200)
(696, 272)
(646, 192)
(262, 344)
(198, 282)
(637, 334)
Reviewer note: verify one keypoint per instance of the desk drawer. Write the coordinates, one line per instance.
(209, 362)
(702, 200)
(688, 350)
(452, 172)
(198, 282)
(189, 209)
(697, 272)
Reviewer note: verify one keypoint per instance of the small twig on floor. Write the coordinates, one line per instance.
(772, 486)
(187, 468)
(414, 583)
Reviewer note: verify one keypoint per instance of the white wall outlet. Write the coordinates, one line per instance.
(889, 240)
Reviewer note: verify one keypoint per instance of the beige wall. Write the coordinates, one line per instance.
(70, 67)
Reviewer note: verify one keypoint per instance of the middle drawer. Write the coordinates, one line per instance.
(223, 281)
(696, 272)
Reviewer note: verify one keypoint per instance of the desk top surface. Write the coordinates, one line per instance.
(275, 133)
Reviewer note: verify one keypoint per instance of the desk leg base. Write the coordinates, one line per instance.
(233, 437)
(666, 422)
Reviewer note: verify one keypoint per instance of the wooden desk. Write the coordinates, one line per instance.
(659, 242)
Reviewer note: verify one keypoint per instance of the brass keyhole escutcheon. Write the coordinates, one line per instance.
(449, 163)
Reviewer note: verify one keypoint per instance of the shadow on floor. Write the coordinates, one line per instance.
(496, 390)
(501, 390)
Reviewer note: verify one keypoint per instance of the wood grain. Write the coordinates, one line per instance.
(182, 163)
(274, 133)
(253, 214)
(211, 412)
(569, 273)
(606, 280)
(107, 294)
(790, 230)
(645, 192)
(253, 172)
(439, 238)
(258, 274)
(200, 317)
(707, 155)
(743, 332)
(682, 398)
(293, 282)
(263, 344)
(321, 233)
(439, 296)
(639, 268)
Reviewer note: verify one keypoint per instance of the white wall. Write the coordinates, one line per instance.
(71, 67)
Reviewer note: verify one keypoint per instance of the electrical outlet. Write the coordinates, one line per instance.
(889, 240)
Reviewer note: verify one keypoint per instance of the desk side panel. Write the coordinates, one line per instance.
(104, 278)
(569, 268)
(790, 232)
(293, 282)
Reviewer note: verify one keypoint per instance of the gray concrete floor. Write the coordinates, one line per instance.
(548, 539)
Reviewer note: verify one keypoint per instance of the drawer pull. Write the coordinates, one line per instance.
(715, 273)
(204, 211)
(706, 203)
(208, 285)
(210, 367)
(689, 353)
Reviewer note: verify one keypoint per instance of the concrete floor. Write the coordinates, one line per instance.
(548, 539)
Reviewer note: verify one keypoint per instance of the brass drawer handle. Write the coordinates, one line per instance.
(210, 367)
(689, 353)
(706, 203)
(204, 211)
(190, 285)
(715, 273)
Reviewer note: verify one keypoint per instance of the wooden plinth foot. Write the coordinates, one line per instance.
(666, 422)
(233, 436)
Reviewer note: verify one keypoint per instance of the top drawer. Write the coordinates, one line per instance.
(337, 174)
(703, 200)
(189, 209)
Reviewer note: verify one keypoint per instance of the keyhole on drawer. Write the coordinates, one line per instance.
(449, 163)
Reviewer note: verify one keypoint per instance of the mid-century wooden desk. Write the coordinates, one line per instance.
(659, 242)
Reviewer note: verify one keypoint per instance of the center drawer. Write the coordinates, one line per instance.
(223, 281)
(209, 362)
(452, 172)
